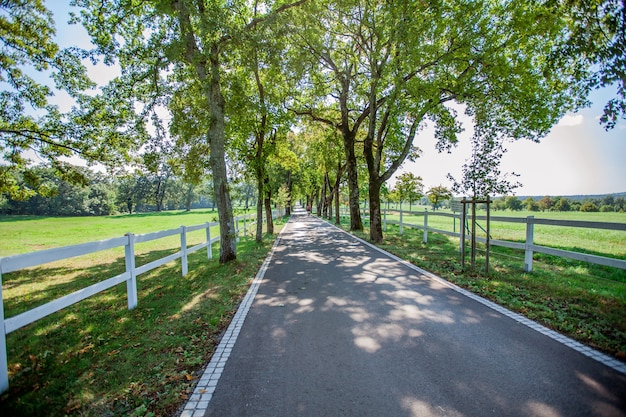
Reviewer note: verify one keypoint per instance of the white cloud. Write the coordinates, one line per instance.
(569, 120)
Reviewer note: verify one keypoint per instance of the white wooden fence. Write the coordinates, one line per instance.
(26, 260)
(528, 246)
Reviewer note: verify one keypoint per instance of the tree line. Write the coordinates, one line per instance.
(606, 204)
(102, 194)
(300, 98)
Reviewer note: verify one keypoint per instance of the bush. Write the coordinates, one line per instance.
(589, 207)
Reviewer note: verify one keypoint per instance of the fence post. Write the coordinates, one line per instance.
(462, 221)
(131, 284)
(400, 219)
(245, 232)
(209, 250)
(183, 249)
(453, 222)
(4, 360)
(425, 226)
(528, 257)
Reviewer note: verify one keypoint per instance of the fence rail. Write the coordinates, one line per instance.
(528, 246)
(17, 262)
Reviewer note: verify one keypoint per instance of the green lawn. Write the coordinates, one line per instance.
(97, 358)
(22, 234)
(610, 243)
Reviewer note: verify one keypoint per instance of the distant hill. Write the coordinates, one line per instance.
(576, 197)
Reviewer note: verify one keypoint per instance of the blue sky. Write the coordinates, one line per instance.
(577, 157)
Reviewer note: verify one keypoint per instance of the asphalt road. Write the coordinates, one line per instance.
(339, 329)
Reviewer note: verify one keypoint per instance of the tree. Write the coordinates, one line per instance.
(589, 207)
(282, 197)
(189, 42)
(261, 118)
(596, 46)
(546, 203)
(438, 194)
(389, 74)
(96, 129)
(531, 205)
(513, 203)
(562, 204)
(481, 173)
(409, 188)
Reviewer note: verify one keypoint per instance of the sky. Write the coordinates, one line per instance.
(577, 157)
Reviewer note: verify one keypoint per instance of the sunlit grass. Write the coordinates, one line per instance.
(610, 243)
(97, 358)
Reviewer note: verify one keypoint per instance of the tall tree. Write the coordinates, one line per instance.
(192, 41)
(596, 46)
(390, 74)
(30, 123)
(481, 173)
(258, 90)
(409, 188)
(438, 194)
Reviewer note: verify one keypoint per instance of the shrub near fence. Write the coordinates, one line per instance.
(407, 219)
(22, 261)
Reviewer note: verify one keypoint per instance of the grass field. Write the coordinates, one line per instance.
(97, 358)
(610, 243)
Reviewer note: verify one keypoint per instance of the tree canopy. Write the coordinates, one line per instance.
(221, 89)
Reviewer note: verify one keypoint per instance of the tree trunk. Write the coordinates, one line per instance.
(353, 182)
(259, 209)
(321, 211)
(336, 192)
(376, 228)
(268, 211)
(331, 195)
(228, 239)
(290, 189)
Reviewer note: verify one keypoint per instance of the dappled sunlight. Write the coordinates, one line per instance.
(193, 303)
(368, 344)
(305, 305)
(315, 257)
(419, 408)
(539, 409)
(352, 261)
(595, 386)
(409, 296)
(412, 312)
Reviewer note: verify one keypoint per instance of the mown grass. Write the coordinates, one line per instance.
(583, 301)
(22, 234)
(97, 358)
(610, 243)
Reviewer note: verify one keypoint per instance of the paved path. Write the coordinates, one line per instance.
(338, 328)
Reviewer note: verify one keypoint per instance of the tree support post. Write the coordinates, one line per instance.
(462, 234)
(528, 257)
(400, 219)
